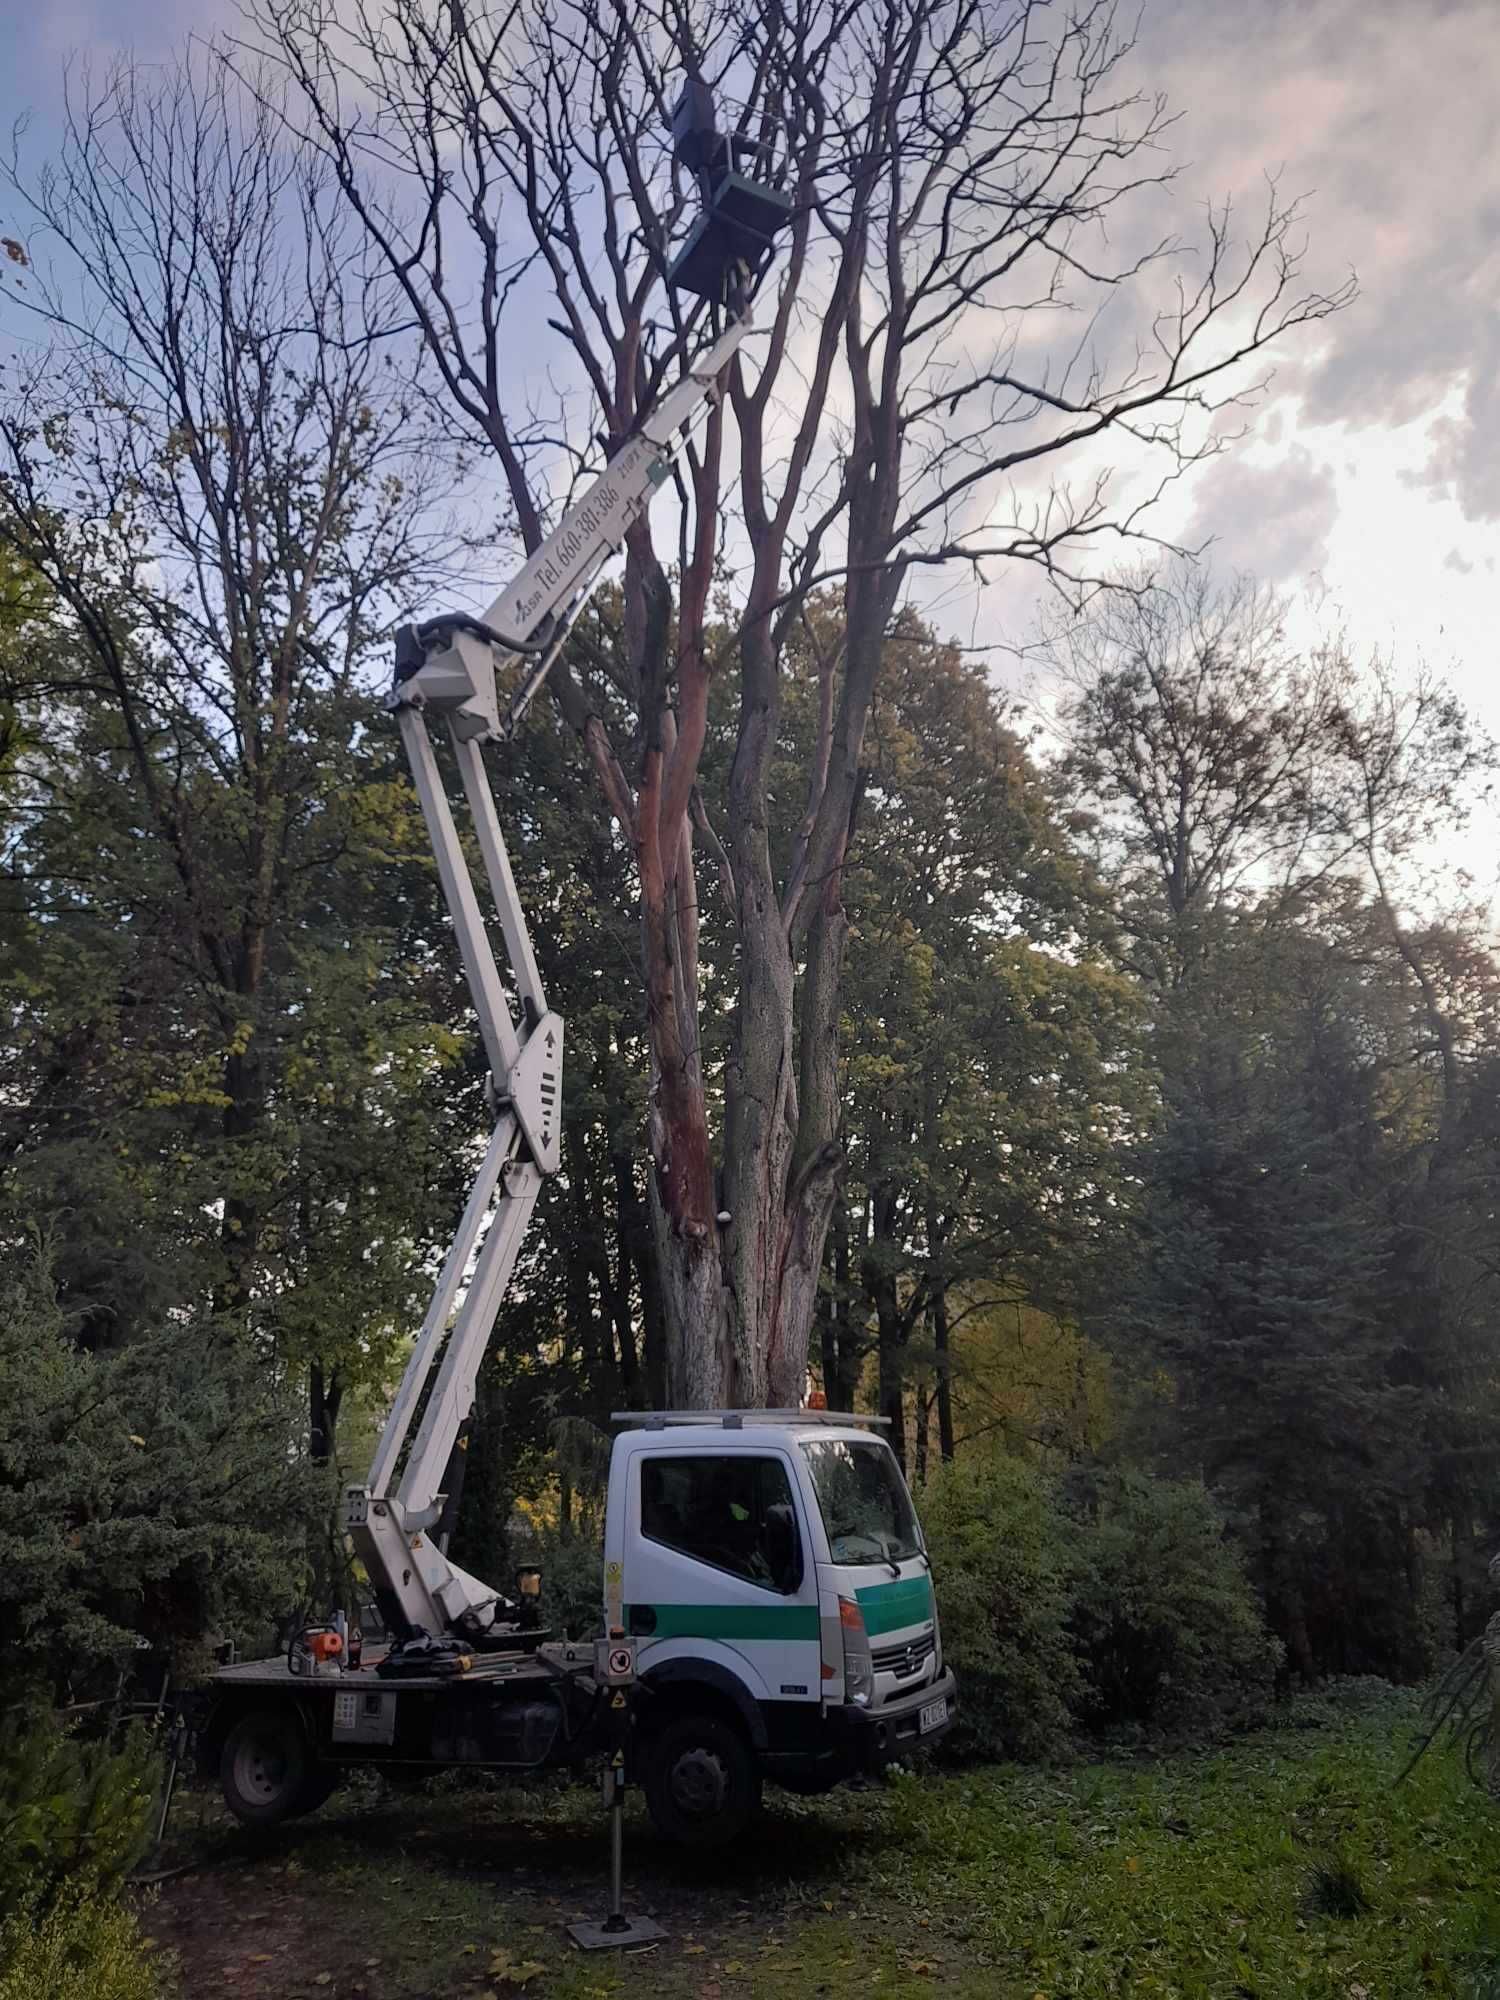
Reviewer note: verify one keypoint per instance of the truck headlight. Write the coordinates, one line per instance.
(859, 1665)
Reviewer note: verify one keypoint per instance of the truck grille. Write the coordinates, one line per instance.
(907, 1658)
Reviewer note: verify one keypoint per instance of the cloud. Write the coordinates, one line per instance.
(1272, 520)
(1385, 115)
(1464, 461)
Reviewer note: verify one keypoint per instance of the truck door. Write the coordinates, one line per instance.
(720, 1568)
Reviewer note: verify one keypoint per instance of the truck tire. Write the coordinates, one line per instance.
(701, 1780)
(267, 1771)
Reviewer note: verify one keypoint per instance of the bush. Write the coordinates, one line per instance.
(146, 1494)
(83, 1944)
(1000, 1565)
(74, 1817)
(1166, 1629)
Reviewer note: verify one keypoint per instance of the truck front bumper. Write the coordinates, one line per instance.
(881, 1736)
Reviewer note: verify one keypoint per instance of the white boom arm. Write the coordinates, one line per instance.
(448, 667)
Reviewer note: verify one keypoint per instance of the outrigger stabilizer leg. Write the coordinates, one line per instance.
(617, 1931)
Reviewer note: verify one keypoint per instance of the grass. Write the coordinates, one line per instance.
(1282, 1866)
(1335, 1888)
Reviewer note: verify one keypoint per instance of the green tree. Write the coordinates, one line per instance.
(232, 1077)
(1309, 1200)
(990, 1083)
(147, 1494)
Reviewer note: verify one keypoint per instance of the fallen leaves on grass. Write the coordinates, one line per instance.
(515, 1972)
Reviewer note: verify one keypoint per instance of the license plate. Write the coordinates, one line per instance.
(933, 1716)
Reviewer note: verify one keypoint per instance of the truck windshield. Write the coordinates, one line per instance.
(866, 1507)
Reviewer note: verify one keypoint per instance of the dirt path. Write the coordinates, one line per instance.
(467, 1894)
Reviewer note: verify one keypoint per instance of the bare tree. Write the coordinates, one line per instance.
(957, 170)
(1405, 771)
(1196, 736)
(206, 454)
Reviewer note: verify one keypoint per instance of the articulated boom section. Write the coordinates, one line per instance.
(418, 1588)
(447, 667)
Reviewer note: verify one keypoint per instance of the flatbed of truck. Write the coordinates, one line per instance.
(540, 1663)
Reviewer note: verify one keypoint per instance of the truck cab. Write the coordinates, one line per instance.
(772, 1572)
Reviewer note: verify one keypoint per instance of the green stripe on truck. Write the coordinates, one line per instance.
(890, 1606)
(732, 1621)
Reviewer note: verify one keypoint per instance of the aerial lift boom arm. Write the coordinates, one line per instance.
(447, 667)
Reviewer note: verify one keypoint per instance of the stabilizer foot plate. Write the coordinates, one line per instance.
(627, 1931)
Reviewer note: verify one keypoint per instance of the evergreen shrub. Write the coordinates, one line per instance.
(74, 1816)
(1109, 1603)
(84, 1944)
(1001, 1566)
(1163, 1622)
(149, 1496)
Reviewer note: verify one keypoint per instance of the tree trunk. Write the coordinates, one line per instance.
(839, 1351)
(944, 1371)
(653, 1327)
(816, 1166)
(760, 1109)
(892, 1364)
(1283, 1601)
(244, 1088)
(325, 1394)
(638, 1255)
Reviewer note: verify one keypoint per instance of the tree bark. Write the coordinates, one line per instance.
(325, 1394)
(838, 1344)
(944, 1371)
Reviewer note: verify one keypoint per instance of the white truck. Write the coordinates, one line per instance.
(765, 1571)
(767, 1595)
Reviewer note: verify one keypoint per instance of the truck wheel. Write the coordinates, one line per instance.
(702, 1781)
(267, 1772)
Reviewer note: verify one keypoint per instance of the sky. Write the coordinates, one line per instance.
(1368, 482)
(1370, 479)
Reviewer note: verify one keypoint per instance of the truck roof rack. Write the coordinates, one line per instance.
(733, 1420)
